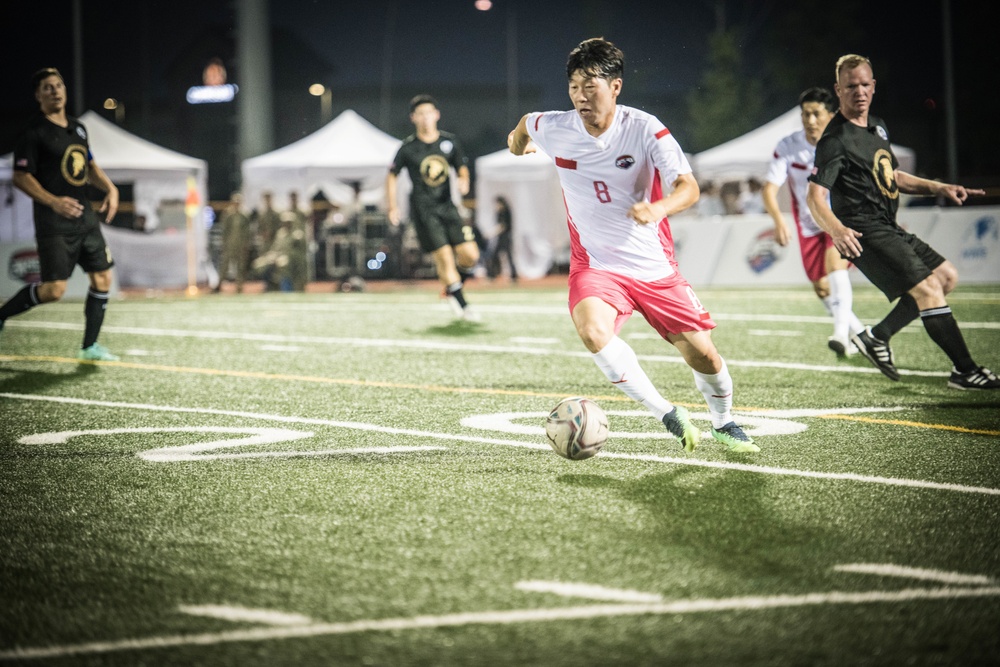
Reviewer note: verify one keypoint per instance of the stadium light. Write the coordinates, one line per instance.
(484, 5)
(325, 96)
(111, 104)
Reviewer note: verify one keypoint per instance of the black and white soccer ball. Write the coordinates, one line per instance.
(577, 428)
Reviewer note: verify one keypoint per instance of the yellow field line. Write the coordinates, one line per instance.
(903, 422)
(439, 388)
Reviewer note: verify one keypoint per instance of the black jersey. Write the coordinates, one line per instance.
(857, 165)
(59, 158)
(429, 167)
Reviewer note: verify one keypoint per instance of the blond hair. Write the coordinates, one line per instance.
(850, 61)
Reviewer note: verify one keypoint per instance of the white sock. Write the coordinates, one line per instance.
(718, 392)
(845, 322)
(619, 364)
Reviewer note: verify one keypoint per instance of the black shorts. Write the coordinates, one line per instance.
(438, 225)
(894, 260)
(57, 255)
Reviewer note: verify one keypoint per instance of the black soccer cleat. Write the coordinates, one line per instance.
(876, 351)
(981, 378)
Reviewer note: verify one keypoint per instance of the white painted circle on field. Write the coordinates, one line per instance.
(514, 422)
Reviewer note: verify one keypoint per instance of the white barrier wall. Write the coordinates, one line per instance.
(740, 251)
(19, 267)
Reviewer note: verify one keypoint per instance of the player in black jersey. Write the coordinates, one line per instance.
(428, 157)
(53, 166)
(857, 170)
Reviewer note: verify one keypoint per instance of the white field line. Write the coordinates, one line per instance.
(940, 576)
(244, 615)
(196, 452)
(507, 617)
(444, 346)
(589, 591)
(452, 437)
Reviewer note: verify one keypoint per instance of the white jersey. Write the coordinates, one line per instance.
(602, 177)
(793, 160)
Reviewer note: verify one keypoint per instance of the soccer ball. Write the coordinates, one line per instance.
(577, 428)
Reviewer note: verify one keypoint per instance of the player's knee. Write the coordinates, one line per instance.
(51, 291)
(822, 289)
(595, 337)
(947, 276)
(101, 281)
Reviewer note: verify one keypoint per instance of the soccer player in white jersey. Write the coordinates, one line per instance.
(826, 269)
(608, 157)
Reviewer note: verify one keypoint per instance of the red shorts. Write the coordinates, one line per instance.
(669, 305)
(814, 254)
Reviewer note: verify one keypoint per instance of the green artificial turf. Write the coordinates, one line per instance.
(385, 500)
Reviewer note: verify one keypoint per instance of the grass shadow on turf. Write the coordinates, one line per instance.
(36, 382)
(456, 329)
(727, 521)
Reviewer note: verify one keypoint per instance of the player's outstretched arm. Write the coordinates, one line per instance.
(914, 185)
(519, 141)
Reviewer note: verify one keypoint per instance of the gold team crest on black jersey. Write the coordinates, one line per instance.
(884, 174)
(434, 170)
(74, 164)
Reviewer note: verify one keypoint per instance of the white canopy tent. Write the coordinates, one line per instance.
(750, 154)
(156, 174)
(345, 151)
(531, 187)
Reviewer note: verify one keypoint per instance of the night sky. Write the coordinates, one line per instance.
(144, 53)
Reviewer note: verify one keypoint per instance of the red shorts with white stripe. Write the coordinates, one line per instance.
(814, 254)
(669, 305)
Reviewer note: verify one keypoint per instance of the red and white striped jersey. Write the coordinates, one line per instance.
(602, 177)
(793, 161)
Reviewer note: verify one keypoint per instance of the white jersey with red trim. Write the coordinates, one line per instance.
(602, 177)
(793, 160)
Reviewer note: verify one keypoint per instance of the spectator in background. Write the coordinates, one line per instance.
(236, 241)
(298, 261)
(268, 223)
(751, 200)
(501, 245)
(710, 202)
(827, 271)
(729, 193)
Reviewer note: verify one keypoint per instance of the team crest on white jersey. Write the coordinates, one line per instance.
(882, 133)
(624, 161)
(447, 146)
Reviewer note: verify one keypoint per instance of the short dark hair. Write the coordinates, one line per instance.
(596, 57)
(422, 99)
(821, 95)
(42, 74)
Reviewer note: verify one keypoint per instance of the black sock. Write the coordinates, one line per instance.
(455, 290)
(943, 330)
(93, 312)
(904, 312)
(25, 299)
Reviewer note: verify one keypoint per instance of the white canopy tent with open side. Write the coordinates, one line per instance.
(346, 151)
